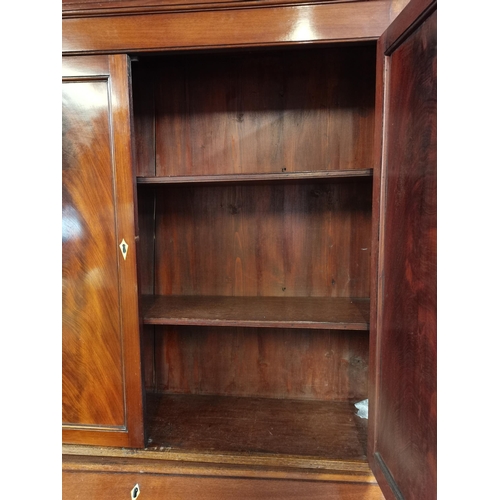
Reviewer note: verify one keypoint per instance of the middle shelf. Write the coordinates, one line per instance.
(339, 313)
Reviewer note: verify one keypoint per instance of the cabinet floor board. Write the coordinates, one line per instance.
(263, 426)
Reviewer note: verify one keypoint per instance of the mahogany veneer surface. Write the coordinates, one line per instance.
(118, 485)
(405, 410)
(321, 22)
(91, 315)
(102, 392)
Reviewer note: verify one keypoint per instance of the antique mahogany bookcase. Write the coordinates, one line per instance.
(249, 248)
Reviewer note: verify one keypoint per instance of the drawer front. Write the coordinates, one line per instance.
(119, 486)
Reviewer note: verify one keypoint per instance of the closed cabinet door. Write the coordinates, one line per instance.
(101, 382)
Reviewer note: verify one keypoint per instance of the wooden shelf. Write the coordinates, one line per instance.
(264, 177)
(272, 312)
(282, 429)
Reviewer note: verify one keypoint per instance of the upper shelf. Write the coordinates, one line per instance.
(330, 313)
(235, 178)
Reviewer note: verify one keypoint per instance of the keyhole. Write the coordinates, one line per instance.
(135, 492)
(123, 247)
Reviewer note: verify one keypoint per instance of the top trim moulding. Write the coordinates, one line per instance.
(92, 8)
(238, 27)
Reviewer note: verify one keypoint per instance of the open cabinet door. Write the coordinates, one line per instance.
(402, 433)
(101, 380)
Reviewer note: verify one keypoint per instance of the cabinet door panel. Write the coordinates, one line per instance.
(92, 362)
(403, 344)
(100, 336)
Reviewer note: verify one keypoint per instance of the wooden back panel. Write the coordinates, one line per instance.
(322, 365)
(256, 112)
(284, 239)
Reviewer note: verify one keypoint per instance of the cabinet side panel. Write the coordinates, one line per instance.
(144, 120)
(92, 360)
(405, 441)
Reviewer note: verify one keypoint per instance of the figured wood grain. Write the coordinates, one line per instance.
(102, 393)
(346, 21)
(264, 112)
(212, 424)
(118, 485)
(92, 380)
(275, 363)
(405, 413)
(278, 312)
(281, 240)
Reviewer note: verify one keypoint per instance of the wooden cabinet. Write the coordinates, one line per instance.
(277, 203)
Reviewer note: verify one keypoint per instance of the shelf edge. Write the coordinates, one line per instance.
(232, 178)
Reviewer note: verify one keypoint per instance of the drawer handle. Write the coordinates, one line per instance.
(135, 492)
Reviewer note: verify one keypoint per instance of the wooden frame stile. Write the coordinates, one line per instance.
(121, 98)
(377, 252)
